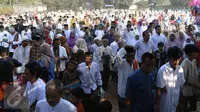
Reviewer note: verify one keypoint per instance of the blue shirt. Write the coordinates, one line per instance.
(140, 91)
(51, 72)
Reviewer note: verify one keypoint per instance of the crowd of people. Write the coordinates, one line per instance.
(67, 60)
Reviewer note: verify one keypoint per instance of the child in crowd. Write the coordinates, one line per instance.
(160, 55)
(70, 75)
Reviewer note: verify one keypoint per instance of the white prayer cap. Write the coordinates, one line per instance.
(26, 24)
(59, 28)
(96, 38)
(25, 38)
(59, 35)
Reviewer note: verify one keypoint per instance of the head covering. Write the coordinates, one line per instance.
(25, 38)
(96, 39)
(47, 54)
(82, 45)
(71, 41)
(59, 35)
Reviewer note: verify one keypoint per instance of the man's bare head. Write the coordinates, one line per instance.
(54, 90)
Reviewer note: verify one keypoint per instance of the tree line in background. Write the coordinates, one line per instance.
(74, 4)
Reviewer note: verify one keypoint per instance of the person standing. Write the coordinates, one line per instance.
(14, 40)
(140, 86)
(170, 80)
(26, 32)
(4, 37)
(61, 57)
(91, 81)
(158, 37)
(144, 46)
(35, 87)
(160, 55)
(114, 45)
(47, 61)
(106, 59)
(22, 54)
(191, 76)
(19, 27)
(128, 34)
(67, 31)
(125, 66)
(53, 101)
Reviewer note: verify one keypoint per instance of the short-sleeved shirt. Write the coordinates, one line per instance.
(141, 48)
(172, 80)
(140, 91)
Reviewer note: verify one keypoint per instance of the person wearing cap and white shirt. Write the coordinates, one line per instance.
(26, 32)
(4, 37)
(14, 40)
(66, 30)
(22, 54)
(99, 33)
(157, 37)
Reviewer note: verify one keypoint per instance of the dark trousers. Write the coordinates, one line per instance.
(89, 104)
(105, 78)
(192, 100)
(123, 107)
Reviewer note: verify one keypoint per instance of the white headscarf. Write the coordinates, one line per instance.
(81, 45)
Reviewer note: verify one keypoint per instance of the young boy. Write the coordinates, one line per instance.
(70, 75)
(170, 80)
(191, 76)
(160, 55)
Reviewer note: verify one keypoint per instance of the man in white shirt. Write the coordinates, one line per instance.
(144, 46)
(35, 87)
(53, 31)
(191, 78)
(106, 60)
(61, 57)
(14, 40)
(158, 37)
(66, 30)
(26, 32)
(170, 80)
(91, 81)
(125, 66)
(3, 37)
(99, 33)
(114, 45)
(53, 101)
(22, 54)
(128, 34)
